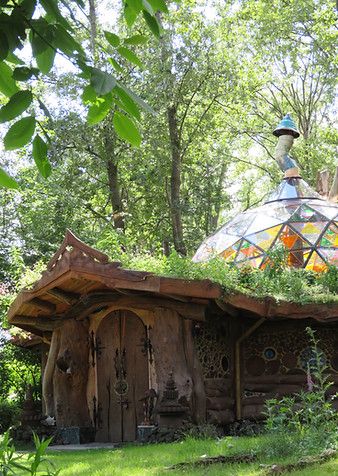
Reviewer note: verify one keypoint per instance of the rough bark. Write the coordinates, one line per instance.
(198, 398)
(71, 374)
(167, 339)
(175, 181)
(47, 381)
(114, 184)
(333, 195)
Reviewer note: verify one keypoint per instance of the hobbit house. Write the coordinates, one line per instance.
(126, 350)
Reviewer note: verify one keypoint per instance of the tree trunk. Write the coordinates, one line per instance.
(175, 191)
(71, 375)
(114, 185)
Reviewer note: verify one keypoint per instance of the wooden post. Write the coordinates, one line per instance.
(238, 377)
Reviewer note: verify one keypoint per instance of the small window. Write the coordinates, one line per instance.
(269, 353)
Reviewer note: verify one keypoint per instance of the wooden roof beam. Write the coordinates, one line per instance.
(63, 296)
(43, 305)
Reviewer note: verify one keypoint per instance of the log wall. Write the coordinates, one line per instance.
(66, 374)
(273, 361)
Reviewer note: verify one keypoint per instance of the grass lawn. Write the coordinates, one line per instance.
(151, 460)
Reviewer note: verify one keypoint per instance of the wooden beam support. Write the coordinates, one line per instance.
(86, 306)
(37, 322)
(43, 305)
(63, 296)
(238, 376)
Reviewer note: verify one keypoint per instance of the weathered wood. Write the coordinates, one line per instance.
(123, 358)
(48, 375)
(220, 417)
(269, 307)
(253, 411)
(70, 376)
(37, 322)
(89, 303)
(333, 195)
(323, 183)
(218, 387)
(71, 240)
(169, 356)
(44, 305)
(63, 296)
(198, 399)
(220, 403)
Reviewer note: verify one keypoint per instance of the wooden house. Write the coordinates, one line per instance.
(125, 349)
(112, 334)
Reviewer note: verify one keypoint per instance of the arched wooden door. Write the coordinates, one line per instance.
(122, 376)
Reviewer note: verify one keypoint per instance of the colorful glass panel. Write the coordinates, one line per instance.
(302, 225)
(265, 238)
(247, 250)
(310, 230)
(330, 237)
(253, 262)
(316, 263)
(329, 211)
(330, 255)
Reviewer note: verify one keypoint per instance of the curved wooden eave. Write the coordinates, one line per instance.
(271, 308)
(52, 296)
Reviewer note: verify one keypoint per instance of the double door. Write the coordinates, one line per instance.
(122, 376)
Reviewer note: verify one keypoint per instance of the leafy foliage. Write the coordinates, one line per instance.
(49, 31)
(11, 461)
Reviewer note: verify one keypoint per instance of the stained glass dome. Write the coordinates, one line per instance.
(294, 216)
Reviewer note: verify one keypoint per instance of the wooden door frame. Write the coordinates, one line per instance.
(142, 315)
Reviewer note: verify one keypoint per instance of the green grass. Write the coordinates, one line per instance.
(151, 460)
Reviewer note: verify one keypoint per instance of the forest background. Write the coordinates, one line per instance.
(218, 79)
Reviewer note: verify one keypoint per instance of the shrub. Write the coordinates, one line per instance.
(9, 412)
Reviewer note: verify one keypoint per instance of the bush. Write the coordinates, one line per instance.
(9, 413)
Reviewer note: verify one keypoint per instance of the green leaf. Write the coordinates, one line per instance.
(130, 56)
(126, 129)
(127, 102)
(130, 15)
(115, 65)
(113, 39)
(7, 83)
(45, 60)
(102, 82)
(12, 58)
(148, 7)
(159, 5)
(136, 40)
(4, 46)
(65, 42)
(98, 111)
(52, 9)
(152, 23)
(135, 5)
(89, 95)
(20, 133)
(17, 104)
(138, 100)
(7, 181)
(27, 8)
(23, 73)
(40, 157)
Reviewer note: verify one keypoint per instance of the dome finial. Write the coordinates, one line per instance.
(286, 131)
(286, 127)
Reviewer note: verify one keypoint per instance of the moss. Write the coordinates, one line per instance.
(279, 282)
